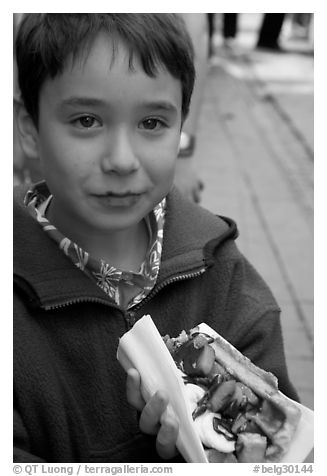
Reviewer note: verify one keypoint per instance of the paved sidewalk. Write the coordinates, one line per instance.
(255, 156)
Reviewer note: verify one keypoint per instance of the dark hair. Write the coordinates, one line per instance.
(45, 40)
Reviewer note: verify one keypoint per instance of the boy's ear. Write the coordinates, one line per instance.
(27, 131)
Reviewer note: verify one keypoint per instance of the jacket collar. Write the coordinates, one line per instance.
(191, 235)
(49, 278)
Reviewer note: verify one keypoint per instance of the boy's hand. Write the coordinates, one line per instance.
(153, 420)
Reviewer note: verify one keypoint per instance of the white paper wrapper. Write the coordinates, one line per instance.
(143, 348)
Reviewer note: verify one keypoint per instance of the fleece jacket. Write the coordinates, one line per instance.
(69, 389)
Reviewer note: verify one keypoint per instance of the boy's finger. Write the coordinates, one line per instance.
(152, 412)
(167, 437)
(133, 389)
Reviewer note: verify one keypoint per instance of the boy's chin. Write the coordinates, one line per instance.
(116, 220)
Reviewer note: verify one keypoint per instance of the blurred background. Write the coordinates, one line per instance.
(247, 152)
(254, 154)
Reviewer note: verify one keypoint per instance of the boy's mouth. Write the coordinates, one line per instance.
(112, 199)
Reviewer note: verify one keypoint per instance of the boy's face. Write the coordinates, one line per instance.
(108, 139)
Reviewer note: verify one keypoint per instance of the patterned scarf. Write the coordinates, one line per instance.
(111, 280)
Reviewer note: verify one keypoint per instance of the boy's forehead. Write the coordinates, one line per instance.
(110, 50)
(103, 71)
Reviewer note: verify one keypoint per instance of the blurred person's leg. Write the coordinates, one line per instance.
(186, 178)
(270, 30)
(230, 25)
(211, 31)
(311, 32)
(196, 24)
(301, 24)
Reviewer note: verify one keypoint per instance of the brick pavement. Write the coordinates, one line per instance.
(255, 156)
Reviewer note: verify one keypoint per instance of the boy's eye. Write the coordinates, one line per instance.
(86, 122)
(152, 124)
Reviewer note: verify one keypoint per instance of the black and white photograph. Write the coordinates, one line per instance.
(163, 242)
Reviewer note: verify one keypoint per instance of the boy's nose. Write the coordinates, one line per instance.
(120, 157)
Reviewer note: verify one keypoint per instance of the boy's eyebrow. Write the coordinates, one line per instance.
(81, 101)
(163, 105)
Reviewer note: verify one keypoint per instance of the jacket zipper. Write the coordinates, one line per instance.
(130, 315)
(79, 301)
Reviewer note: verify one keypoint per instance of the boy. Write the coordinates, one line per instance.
(105, 239)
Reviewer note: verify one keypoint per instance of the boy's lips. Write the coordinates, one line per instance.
(121, 199)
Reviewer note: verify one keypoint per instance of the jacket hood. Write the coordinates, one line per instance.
(191, 236)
